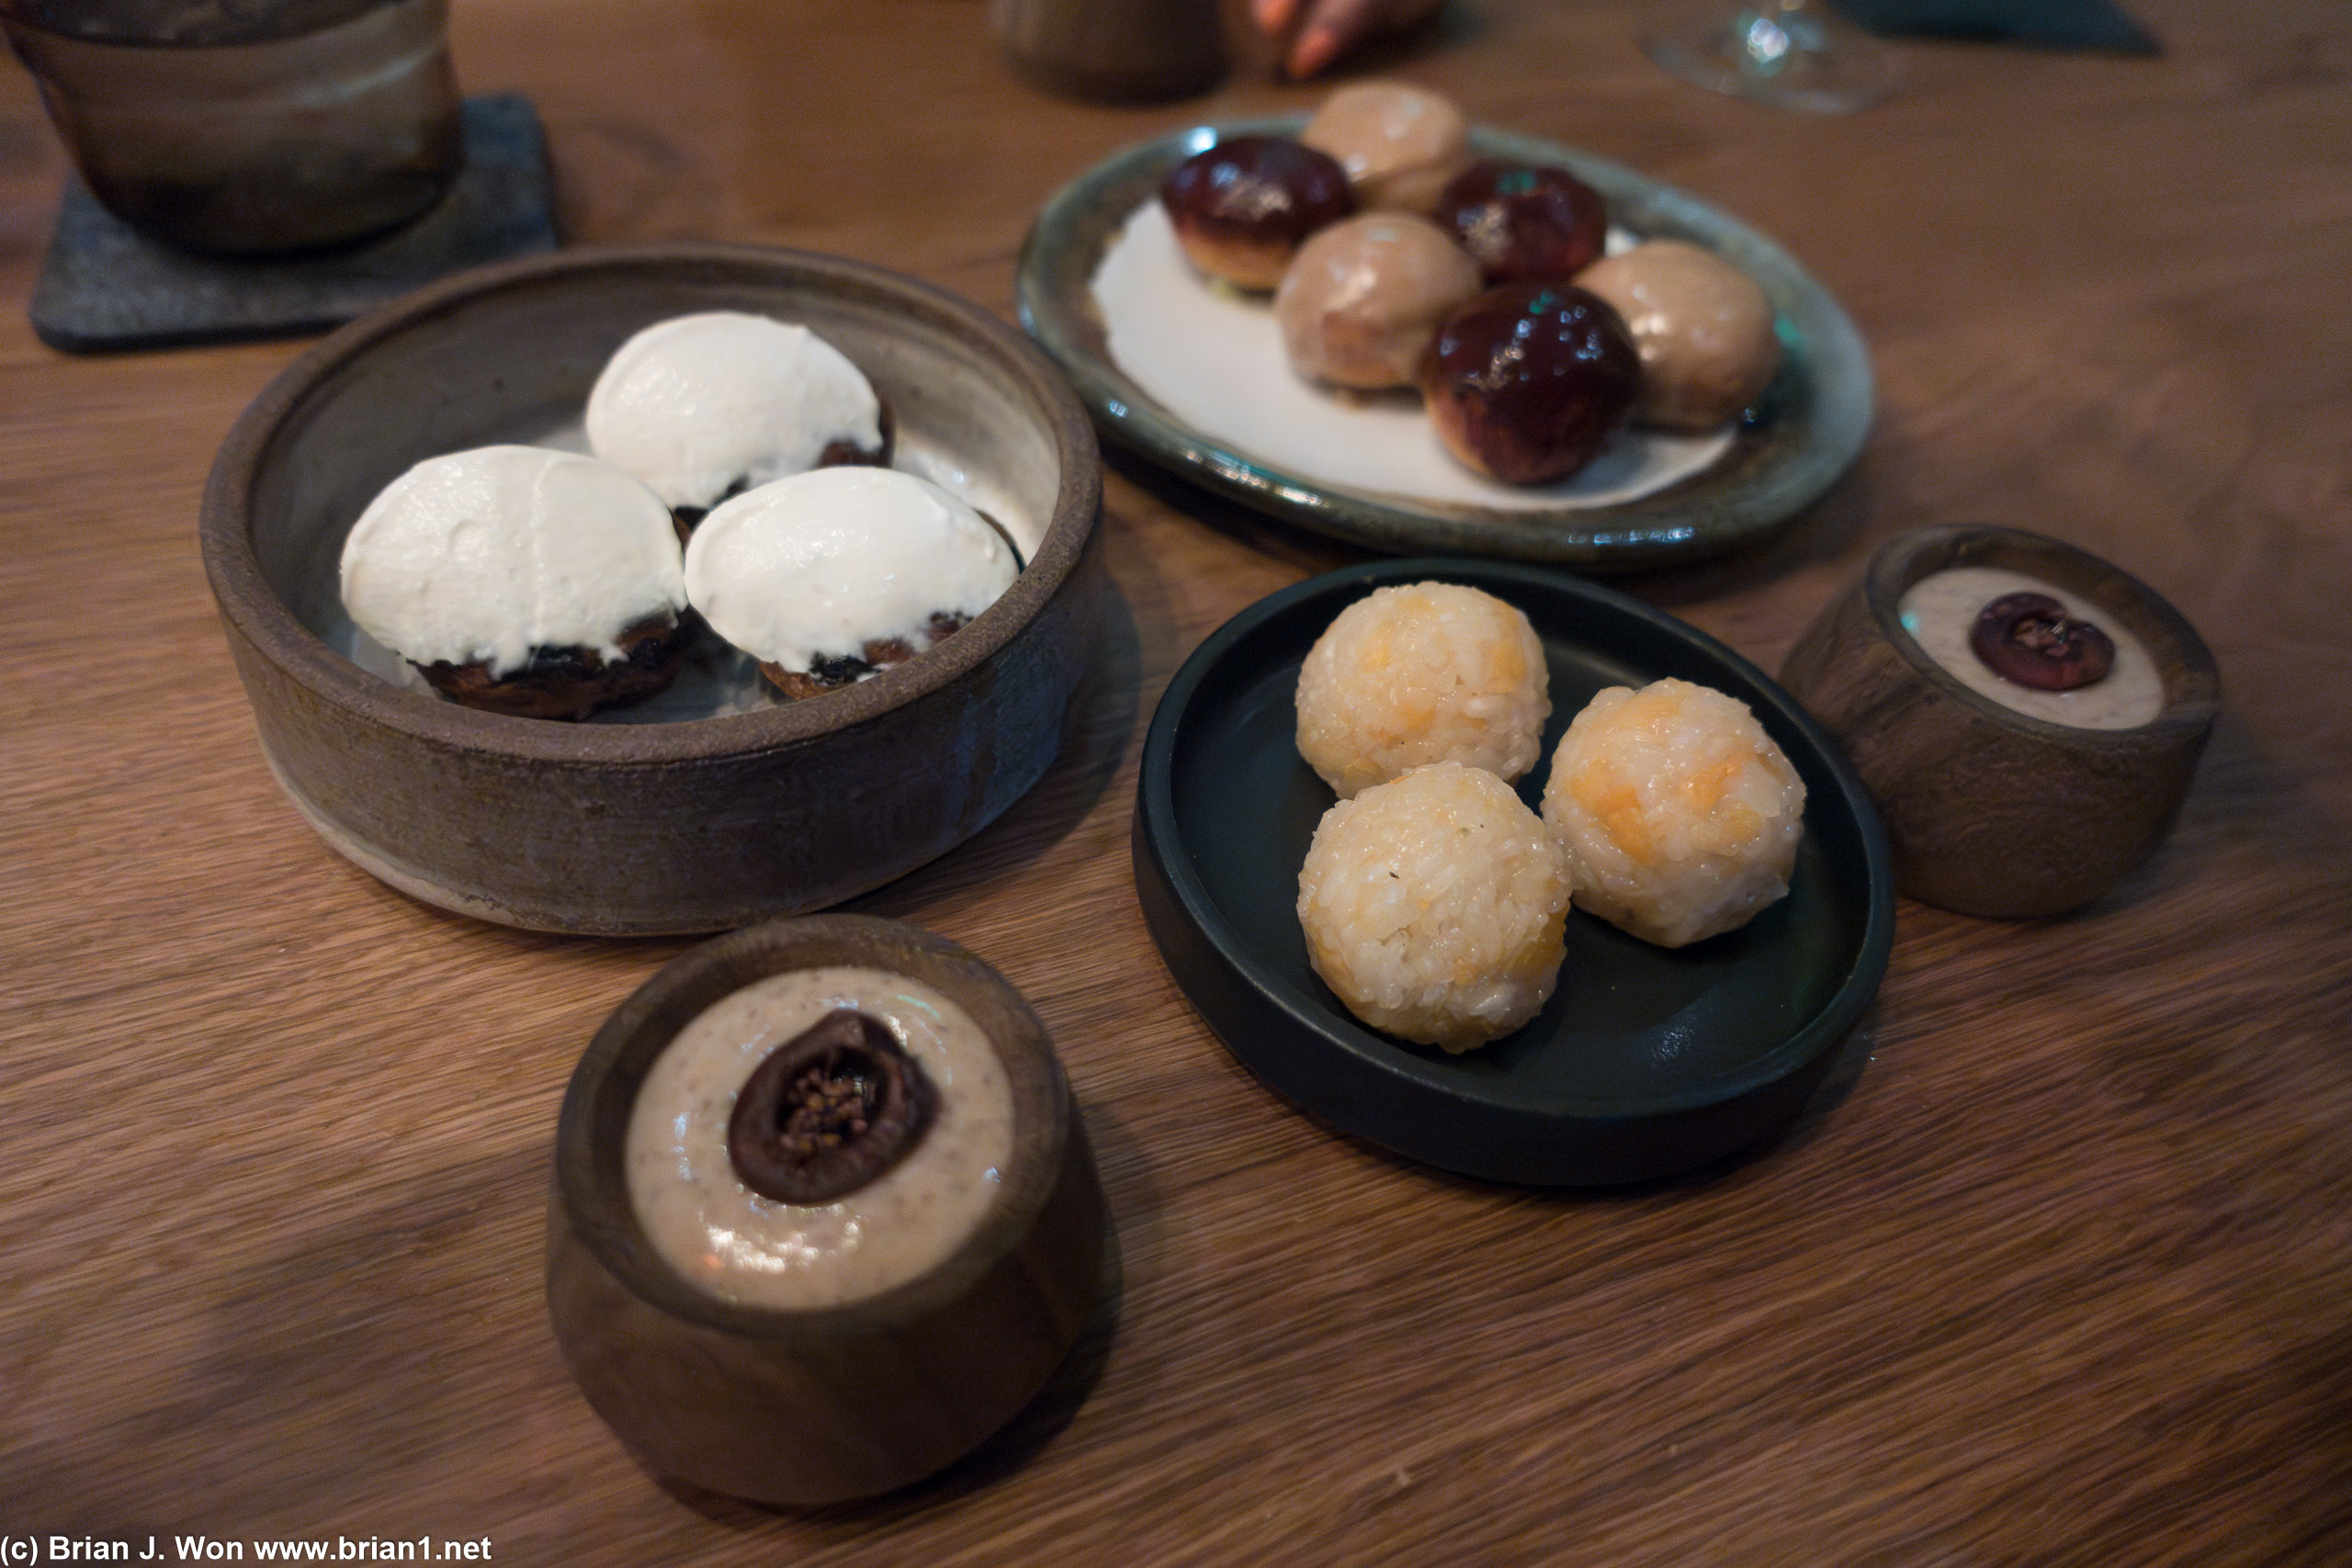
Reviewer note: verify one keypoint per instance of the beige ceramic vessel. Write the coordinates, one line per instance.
(1989, 811)
(693, 825)
(828, 1405)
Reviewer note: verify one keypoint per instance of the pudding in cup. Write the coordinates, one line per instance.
(2002, 799)
(832, 1344)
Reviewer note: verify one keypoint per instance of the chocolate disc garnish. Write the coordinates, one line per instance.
(828, 1110)
(2029, 639)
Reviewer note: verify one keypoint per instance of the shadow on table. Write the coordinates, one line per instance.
(1096, 737)
(1828, 530)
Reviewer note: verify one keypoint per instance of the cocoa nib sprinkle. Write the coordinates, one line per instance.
(827, 1112)
(2029, 639)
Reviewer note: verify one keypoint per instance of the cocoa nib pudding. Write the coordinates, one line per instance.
(819, 1137)
(2033, 647)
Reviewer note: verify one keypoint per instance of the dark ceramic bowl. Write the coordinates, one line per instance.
(718, 804)
(1646, 1061)
(1991, 811)
(822, 1405)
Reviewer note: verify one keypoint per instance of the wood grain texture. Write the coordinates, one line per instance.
(2055, 1272)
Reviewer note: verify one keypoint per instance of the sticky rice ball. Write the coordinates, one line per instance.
(1682, 813)
(1435, 905)
(1422, 673)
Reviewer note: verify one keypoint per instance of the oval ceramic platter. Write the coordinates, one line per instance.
(1368, 470)
(1646, 1061)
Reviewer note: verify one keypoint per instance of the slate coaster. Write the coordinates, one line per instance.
(105, 287)
(2041, 24)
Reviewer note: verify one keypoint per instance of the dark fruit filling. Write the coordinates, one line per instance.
(828, 1110)
(831, 671)
(2029, 639)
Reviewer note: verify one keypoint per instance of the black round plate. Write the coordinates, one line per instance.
(1646, 1061)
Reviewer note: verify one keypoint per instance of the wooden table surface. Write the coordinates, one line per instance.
(2057, 1269)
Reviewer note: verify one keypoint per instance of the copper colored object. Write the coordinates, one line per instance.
(1113, 50)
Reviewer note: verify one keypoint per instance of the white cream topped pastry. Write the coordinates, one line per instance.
(699, 406)
(839, 570)
(481, 557)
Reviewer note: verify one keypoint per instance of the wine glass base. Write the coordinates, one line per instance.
(1793, 55)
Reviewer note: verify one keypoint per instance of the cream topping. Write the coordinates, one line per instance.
(697, 403)
(825, 562)
(484, 555)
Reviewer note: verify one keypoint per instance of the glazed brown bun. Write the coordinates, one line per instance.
(1359, 306)
(1528, 381)
(1398, 143)
(1702, 327)
(1241, 209)
(1525, 222)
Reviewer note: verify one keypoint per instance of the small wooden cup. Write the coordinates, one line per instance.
(1989, 811)
(821, 1405)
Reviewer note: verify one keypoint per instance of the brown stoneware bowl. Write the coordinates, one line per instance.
(716, 804)
(818, 1405)
(1990, 811)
